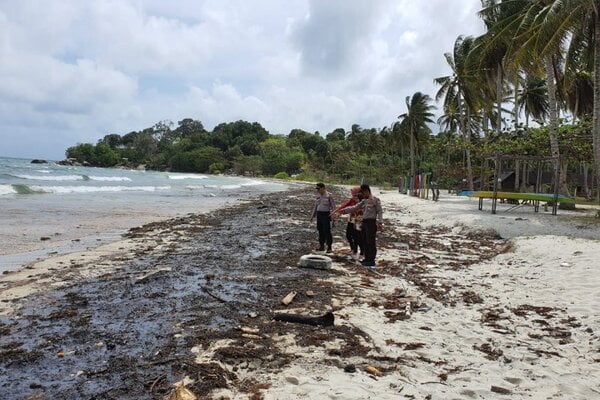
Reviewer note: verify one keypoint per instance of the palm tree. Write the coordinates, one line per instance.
(460, 93)
(580, 21)
(533, 99)
(488, 56)
(449, 121)
(579, 93)
(529, 26)
(414, 121)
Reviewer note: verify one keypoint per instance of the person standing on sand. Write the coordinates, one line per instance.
(353, 232)
(324, 205)
(372, 221)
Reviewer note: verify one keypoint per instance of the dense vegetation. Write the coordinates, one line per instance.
(536, 62)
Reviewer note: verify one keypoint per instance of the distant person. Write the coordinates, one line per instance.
(435, 191)
(324, 205)
(371, 222)
(353, 228)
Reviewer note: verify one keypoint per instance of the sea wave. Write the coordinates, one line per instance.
(7, 189)
(186, 176)
(27, 189)
(230, 186)
(52, 178)
(110, 178)
(253, 183)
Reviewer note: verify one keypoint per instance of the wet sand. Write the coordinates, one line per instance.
(121, 321)
(450, 312)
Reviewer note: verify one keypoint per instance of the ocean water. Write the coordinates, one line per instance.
(76, 207)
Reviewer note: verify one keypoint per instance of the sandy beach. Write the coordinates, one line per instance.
(463, 304)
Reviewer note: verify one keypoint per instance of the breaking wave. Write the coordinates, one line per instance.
(33, 189)
(186, 176)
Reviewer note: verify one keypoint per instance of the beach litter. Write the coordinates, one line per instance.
(324, 320)
(181, 393)
(288, 298)
(315, 261)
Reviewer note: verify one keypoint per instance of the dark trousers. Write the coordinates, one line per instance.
(324, 228)
(369, 228)
(354, 238)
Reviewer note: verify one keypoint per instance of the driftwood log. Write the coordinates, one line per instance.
(324, 320)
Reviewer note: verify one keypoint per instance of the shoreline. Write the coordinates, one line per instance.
(451, 310)
(23, 245)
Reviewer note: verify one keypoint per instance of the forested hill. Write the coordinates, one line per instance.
(243, 147)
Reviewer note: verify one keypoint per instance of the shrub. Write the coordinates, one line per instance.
(282, 175)
(216, 168)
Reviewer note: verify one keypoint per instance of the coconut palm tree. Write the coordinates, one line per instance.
(579, 93)
(560, 20)
(532, 99)
(460, 92)
(529, 26)
(414, 121)
(449, 121)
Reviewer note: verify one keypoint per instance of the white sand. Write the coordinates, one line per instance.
(554, 263)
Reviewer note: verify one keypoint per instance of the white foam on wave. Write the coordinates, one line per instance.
(43, 171)
(241, 185)
(52, 178)
(254, 183)
(97, 189)
(186, 176)
(110, 178)
(7, 189)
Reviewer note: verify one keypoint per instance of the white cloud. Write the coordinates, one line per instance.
(74, 71)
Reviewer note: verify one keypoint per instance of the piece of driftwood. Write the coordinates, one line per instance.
(214, 296)
(324, 320)
(181, 393)
(288, 298)
(499, 389)
(248, 330)
(145, 278)
(373, 371)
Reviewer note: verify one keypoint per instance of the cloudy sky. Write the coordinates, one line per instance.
(72, 71)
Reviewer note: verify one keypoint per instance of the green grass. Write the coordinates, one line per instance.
(583, 201)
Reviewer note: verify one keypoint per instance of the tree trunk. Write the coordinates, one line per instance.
(586, 186)
(553, 113)
(467, 140)
(469, 165)
(596, 118)
(517, 171)
(516, 100)
(563, 178)
(499, 99)
(524, 179)
(484, 124)
(412, 157)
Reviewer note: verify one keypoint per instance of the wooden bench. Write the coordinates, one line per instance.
(535, 197)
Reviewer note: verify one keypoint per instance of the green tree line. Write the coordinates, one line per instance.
(379, 156)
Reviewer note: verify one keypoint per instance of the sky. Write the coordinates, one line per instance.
(73, 71)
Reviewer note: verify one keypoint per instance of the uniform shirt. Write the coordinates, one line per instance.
(370, 207)
(324, 203)
(350, 203)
